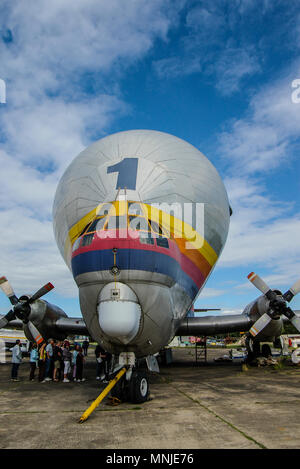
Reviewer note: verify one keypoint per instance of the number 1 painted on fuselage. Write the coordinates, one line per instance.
(127, 170)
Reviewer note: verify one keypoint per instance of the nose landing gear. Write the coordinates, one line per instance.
(139, 387)
(133, 386)
(135, 390)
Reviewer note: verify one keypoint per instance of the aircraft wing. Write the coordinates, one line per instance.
(211, 325)
(15, 324)
(194, 326)
(69, 326)
(72, 326)
(206, 325)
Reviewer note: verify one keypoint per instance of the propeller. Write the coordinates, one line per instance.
(277, 306)
(21, 308)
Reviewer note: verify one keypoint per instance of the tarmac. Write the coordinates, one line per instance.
(215, 405)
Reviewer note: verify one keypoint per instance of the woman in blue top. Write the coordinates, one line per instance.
(34, 356)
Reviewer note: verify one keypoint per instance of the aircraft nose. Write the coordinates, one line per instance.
(119, 312)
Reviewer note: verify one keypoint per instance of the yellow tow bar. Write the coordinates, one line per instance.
(100, 398)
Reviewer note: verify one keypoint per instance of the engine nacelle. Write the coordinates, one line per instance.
(44, 316)
(255, 310)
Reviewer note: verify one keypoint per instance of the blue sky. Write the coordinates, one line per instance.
(217, 74)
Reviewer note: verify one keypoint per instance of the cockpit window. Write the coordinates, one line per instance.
(134, 208)
(162, 242)
(116, 223)
(138, 223)
(92, 227)
(100, 223)
(87, 239)
(155, 227)
(76, 244)
(146, 239)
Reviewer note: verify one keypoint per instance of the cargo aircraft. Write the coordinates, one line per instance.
(141, 218)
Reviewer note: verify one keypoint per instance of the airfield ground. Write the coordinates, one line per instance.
(216, 405)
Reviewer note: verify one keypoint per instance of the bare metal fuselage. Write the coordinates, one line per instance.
(139, 272)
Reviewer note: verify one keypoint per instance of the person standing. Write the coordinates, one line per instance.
(74, 357)
(99, 352)
(103, 361)
(79, 366)
(34, 355)
(42, 362)
(67, 361)
(85, 346)
(57, 356)
(16, 359)
(49, 360)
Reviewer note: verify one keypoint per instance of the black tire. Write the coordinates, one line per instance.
(253, 350)
(266, 351)
(256, 349)
(139, 387)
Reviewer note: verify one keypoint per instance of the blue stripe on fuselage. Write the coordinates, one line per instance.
(134, 259)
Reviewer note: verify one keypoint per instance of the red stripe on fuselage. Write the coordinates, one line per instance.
(126, 242)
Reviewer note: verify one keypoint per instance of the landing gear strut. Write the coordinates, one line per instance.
(133, 386)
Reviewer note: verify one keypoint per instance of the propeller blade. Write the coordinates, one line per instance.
(296, 322)
(8, 291)
(294, 290)
(261, 286)
(7, 318)
(294, 319)
(35, 333)
(41, 292)
(260, 324)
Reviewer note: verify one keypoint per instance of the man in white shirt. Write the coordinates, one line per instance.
(16, 359)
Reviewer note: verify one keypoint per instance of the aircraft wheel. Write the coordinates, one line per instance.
(139, 387)
(266, 351)
(253, 349)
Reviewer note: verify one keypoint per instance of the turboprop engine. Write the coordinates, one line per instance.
(269, 310)
(38, 316)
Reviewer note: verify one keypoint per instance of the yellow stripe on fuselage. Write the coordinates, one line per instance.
(170, 224)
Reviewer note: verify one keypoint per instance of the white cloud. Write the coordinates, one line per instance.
(29, 257)
(211, 292)
(66, 37)
(232, 67)
(263, 139)
(226, 312)
(264, 231)
(62, 61)
(172, 67)
(55, 131)
(210, 46)
(263, 234)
